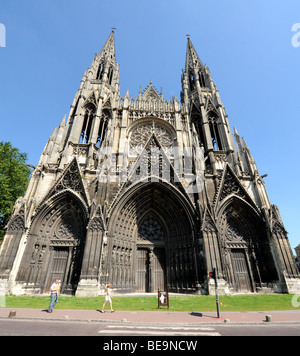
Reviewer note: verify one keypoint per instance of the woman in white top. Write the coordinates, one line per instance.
(108, 298)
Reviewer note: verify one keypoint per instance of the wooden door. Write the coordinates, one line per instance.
(58, 266)
(241, 271)
(159, 267)
(150, 270)
(142, 270)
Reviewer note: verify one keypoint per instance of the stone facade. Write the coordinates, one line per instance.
(146, 193)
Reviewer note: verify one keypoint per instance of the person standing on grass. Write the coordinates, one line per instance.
(108, 298)
(54, 291)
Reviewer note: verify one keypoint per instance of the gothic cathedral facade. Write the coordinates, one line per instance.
(147, 194)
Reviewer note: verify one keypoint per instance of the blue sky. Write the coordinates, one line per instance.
(246, 44)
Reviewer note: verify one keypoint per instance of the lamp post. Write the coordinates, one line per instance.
(213, 275)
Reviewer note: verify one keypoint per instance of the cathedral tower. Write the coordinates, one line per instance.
(146, 193)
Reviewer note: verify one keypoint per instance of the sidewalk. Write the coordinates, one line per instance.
(156, 317)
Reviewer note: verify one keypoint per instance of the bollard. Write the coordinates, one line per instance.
(12, 314)
(268, 318)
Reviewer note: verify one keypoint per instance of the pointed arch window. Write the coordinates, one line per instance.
(214, 132)
(103, 127)
(89, 115)
(199, 131)
(100, 71)
(196, 118)
(192, 79)
(110, 75)
(201, 80)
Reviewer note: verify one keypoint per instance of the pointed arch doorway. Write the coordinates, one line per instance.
(55, 245)
(151, 241)
(248, 259)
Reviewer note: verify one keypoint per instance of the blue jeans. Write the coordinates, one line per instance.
(53, 302)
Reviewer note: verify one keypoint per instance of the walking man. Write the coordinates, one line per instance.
(54, 291)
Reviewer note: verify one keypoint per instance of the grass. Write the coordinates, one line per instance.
(149, 303)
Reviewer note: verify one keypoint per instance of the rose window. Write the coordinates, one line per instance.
(141, 134)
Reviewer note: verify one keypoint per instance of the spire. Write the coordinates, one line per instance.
(104, 66)
(108, 50)
(192, 58)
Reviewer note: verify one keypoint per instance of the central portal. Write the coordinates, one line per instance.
(150, 242)
(150, 269)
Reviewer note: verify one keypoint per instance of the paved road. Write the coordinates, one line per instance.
(59, 328)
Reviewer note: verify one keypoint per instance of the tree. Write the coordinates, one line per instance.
(14, 178)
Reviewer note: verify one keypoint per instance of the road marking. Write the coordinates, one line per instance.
(157, 331)
(158, 328)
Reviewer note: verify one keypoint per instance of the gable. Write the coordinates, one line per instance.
(70, 179)
(150, 93)
(230, 185)
(152, 165)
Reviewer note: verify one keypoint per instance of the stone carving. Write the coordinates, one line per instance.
(17, 224)
(65, 230)
(233, 233)
(231, 187)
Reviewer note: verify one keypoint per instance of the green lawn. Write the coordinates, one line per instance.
(177, 303)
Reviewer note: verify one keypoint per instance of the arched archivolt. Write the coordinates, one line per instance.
(54, 200)
(152, 121)
(153, 216)
(146, 185)
(249, 263)
(55, 243)
(233, 199)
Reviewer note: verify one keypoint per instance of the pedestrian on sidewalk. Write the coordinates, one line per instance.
(54, 292)
(108, 298)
